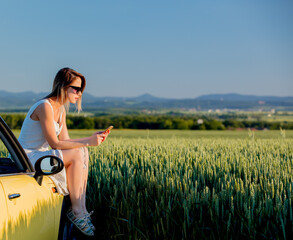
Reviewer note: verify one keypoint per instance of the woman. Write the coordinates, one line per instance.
(45, 126)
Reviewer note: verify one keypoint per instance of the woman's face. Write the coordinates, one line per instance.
(74, 90)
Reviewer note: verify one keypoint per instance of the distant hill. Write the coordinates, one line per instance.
(233, 101)
(246, 98)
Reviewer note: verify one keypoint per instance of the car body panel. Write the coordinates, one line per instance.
(36, 213)
(3, 214)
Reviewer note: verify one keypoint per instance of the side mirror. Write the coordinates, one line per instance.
(47, 165)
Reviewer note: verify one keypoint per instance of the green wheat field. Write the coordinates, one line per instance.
(147, 184)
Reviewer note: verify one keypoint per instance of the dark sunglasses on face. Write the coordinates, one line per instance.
(76, 89)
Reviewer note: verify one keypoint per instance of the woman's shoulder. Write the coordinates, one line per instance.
(40, 108)
(43, 105)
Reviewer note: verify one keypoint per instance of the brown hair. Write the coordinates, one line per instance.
(61, 83)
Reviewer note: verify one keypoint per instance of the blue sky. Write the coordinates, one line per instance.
(173, 49)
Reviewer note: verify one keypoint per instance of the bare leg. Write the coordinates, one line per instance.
(74, 162)
(85, 177)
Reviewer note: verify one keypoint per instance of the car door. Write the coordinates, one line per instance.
(27, 210)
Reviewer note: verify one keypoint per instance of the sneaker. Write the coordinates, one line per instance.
(80, 223)
(88, 215)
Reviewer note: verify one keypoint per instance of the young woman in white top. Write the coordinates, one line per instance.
(44, 132)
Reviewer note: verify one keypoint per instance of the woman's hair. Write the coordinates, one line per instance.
(62, 81)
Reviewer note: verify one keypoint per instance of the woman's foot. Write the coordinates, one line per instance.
(88, 215)
(80, 222)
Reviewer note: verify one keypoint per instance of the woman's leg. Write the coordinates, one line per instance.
(74, 163)
(85, 177)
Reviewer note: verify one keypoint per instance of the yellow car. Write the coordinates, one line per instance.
(30, 207)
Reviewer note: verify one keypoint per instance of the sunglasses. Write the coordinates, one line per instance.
(76, 89)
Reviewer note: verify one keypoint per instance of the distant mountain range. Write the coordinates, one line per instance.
(23, 100)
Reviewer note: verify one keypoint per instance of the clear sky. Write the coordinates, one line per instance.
(168, 48)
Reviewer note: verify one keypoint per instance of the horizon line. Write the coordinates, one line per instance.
(149, 94)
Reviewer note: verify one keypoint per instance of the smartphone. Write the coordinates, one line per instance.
(108, 129)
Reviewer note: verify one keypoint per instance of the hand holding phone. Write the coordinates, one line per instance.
(108, 129)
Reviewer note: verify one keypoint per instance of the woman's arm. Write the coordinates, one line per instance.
(64, 132)
(45, 115)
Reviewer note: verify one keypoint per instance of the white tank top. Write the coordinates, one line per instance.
(31, 135)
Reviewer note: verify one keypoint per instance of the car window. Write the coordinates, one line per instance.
(9, 162)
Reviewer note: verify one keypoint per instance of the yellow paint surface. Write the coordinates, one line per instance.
(33, 215)
(3, 213)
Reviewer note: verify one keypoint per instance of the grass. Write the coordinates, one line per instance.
(172, 184)
(189, 134)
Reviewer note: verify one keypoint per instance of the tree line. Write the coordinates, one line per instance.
(14, 121)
